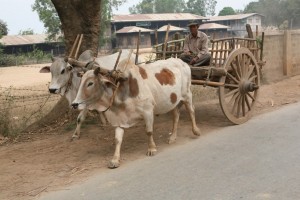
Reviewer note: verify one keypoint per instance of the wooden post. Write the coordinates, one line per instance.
(166, 41)
(137, 48)
(156, 37)
(78, 47)
(249, 31)
(256, 31)
(262, 46)
(287, 53)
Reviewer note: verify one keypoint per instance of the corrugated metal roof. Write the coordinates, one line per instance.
(10, 40)
(133, 29)
(156, 17)
(172, 28)
(231, 17)
(209, 26)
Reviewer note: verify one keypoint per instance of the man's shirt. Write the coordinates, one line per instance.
(197, 45)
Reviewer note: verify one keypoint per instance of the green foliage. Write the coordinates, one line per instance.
(144, 7)
(199, 7)
(196, 7)
(276, 12)
(3, 28)
(26, 32)
(169, 6)
(227, 11)
(48, 15)
(36, 56)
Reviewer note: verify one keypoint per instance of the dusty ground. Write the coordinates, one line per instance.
(49, 161)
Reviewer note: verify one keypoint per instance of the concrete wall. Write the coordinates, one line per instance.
(281, 51)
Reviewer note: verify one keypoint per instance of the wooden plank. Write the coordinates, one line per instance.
(208, 83)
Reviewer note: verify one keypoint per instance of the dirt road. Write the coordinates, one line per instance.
(48, 161)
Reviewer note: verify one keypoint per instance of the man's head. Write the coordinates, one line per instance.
(193, 26)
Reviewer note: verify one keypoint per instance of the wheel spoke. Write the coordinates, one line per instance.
(251, 96)
(243, 66)
(250, 71)
(236, 102)
(248, 103)
(243, 106)
(233, 78)
(231, 93)
(252, 78)
(233, 98)
(234, 67)
(231, 85)
(239, 106)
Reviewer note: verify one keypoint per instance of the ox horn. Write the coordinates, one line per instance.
(97, 71)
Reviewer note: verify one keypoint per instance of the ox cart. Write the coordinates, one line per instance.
(235, 69)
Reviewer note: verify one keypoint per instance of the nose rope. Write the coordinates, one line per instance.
(67, 85)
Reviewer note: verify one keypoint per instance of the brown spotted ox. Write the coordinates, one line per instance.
(147, 90)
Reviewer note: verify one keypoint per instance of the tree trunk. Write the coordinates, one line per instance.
(77, 17)
(80, 17)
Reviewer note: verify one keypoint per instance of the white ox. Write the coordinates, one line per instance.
(65, 81)
(147, 90)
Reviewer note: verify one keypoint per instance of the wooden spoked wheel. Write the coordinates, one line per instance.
(239, 94)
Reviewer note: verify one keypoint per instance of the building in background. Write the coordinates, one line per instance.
(152, 22)
(127, 37)
(17, 44)
(237, 23)
(214, 30)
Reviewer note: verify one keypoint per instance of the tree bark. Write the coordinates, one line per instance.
(80, 17)
(77, 17)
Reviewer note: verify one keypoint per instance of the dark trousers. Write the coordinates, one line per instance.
(204, 60)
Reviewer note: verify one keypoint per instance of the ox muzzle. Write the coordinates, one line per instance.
(75, 105)
(53, 91)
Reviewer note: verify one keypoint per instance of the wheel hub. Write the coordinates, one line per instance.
(247, 86)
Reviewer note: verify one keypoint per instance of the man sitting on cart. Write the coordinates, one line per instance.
(195, 50)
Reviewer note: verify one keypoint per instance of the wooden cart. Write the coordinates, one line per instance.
(234, 69)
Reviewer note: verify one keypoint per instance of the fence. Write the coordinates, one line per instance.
(20, 107)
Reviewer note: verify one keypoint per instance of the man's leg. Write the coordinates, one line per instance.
(186, 58)
(204, 60)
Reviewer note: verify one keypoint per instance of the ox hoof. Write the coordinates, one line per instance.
(151, 152)
(75, 137)
(172, 139)
(197, 131)
(113, 164)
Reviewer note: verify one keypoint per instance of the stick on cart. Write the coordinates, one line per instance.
(234, 69)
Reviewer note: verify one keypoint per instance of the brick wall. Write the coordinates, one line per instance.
(282, 53)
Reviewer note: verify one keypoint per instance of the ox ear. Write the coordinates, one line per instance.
(53, 59)
(45, 69)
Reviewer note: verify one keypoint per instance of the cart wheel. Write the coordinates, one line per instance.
(241, 86)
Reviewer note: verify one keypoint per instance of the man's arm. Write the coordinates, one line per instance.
(186, 49)
(203, 46)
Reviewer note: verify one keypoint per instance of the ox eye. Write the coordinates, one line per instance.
(63, 71)
(90, 84)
